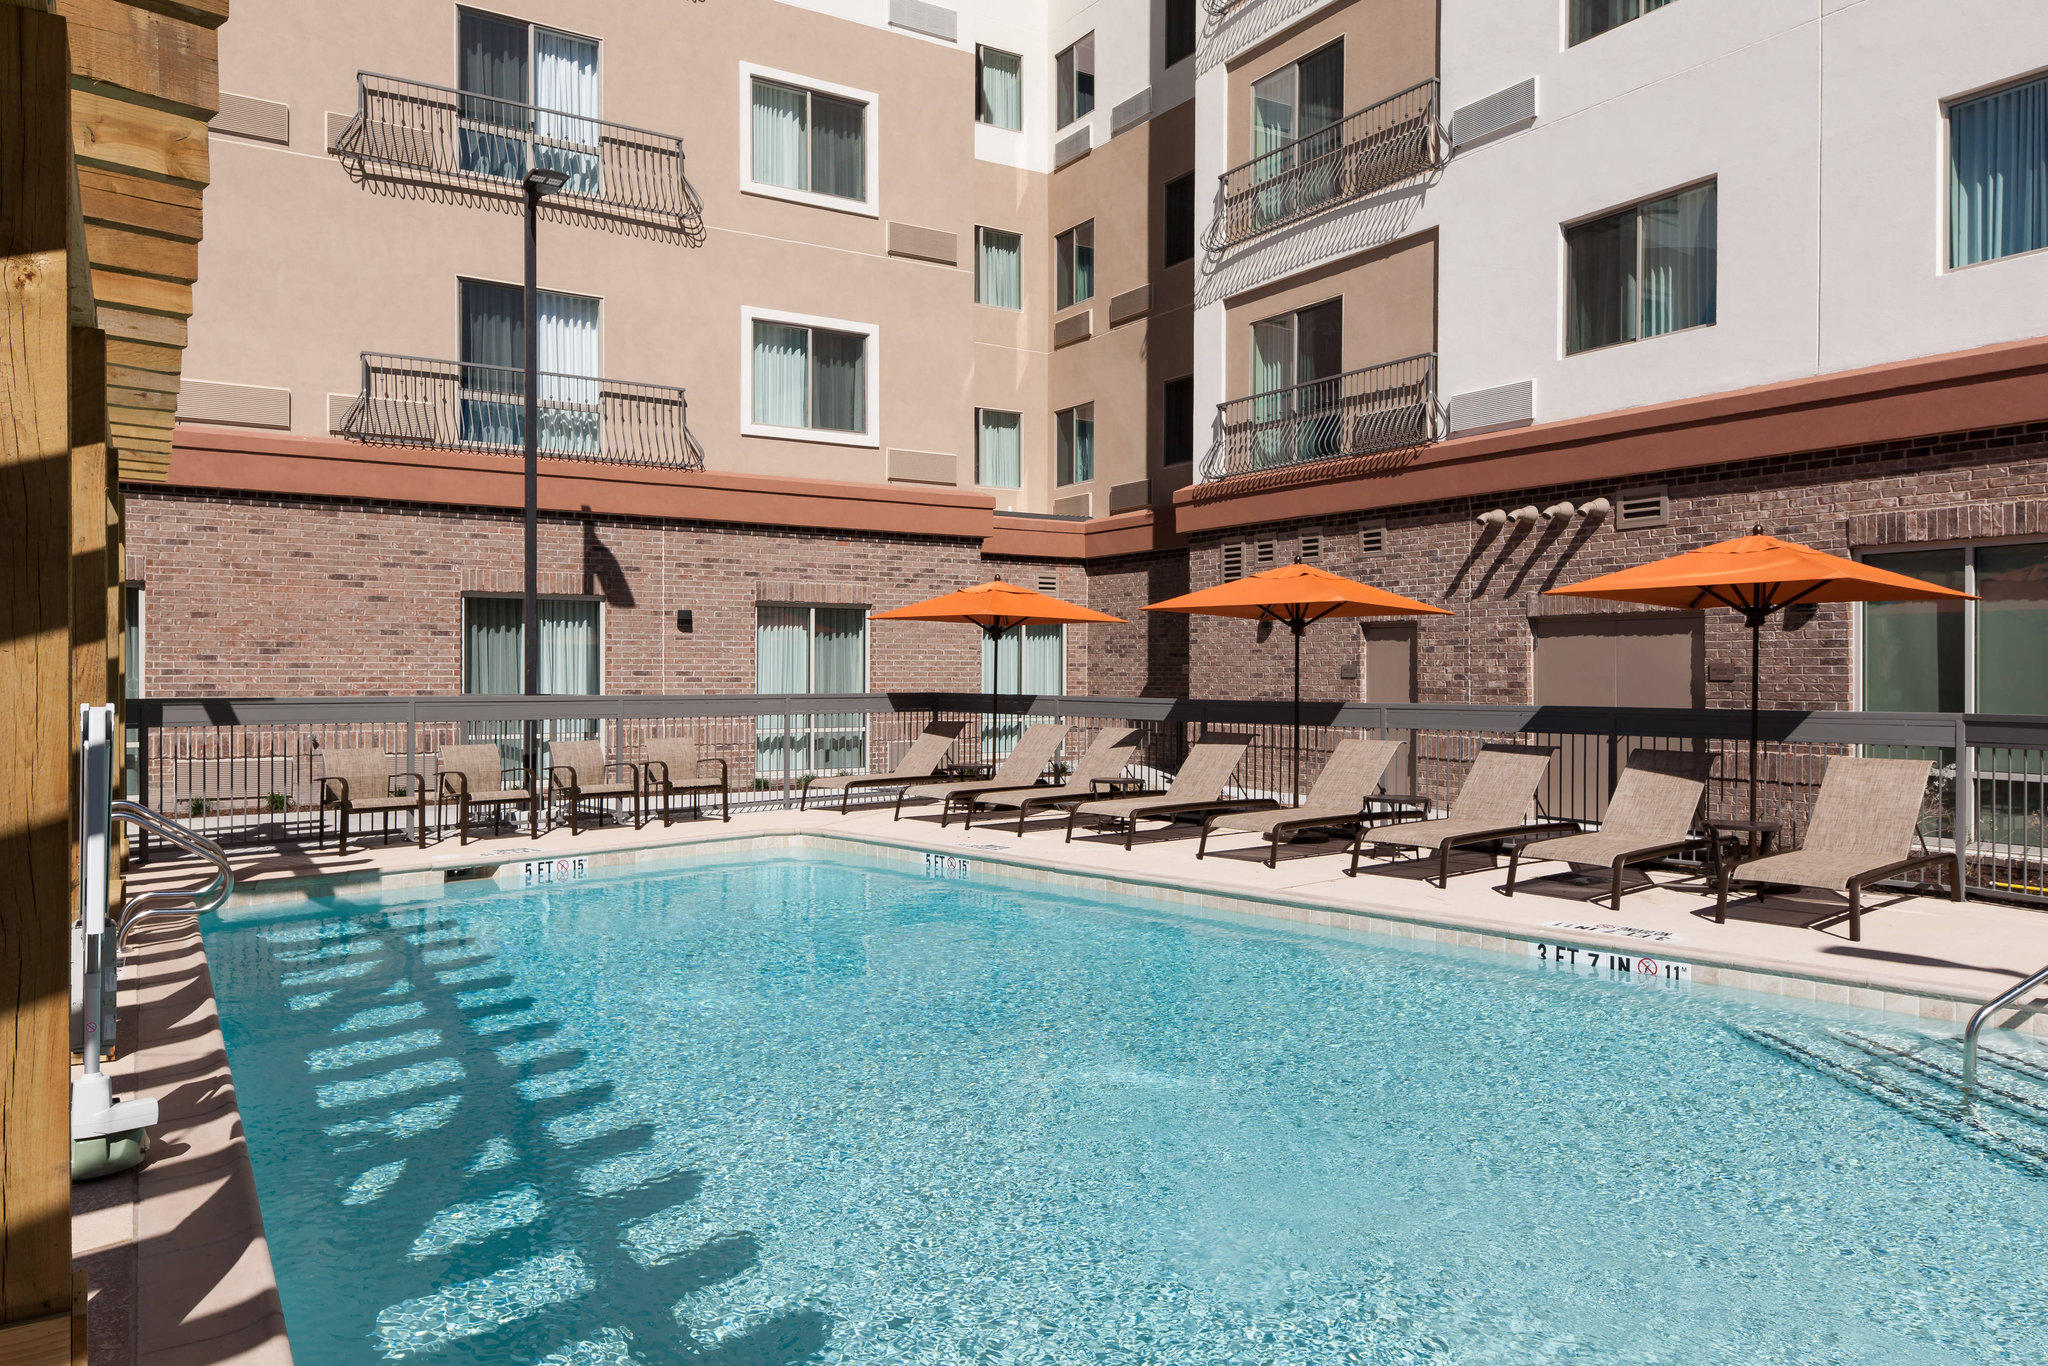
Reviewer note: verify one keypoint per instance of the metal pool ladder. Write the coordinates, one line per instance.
(1983, 1017)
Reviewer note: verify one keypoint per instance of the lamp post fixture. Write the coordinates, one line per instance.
(540, 182)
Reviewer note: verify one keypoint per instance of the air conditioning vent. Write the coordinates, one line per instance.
(1636, 509)
(1372, 538)
(1265, 555)
(1311, 546)
(1048, 583)
(1233, 562)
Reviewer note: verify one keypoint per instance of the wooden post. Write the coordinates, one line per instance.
(35, 683)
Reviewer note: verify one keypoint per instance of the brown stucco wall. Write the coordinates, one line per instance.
(1389, 45)
(1389, 297)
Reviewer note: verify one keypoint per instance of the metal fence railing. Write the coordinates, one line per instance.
(247, 770)
(1377, 146)
(454, 405)
(479, 148)
(1370, 411)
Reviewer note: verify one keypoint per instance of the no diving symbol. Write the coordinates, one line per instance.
(1646, 967)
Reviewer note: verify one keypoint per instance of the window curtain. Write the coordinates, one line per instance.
(810, 650)
(1025, 659)
(1318, 361)
(494, 661)
(2012, 630)
(782, 367)
(999, 450)
(1998, 174)
(839, 384)
(1600, 283)
(1273, 151)
(1273, 350)
(569, 347)
(999, 269)
(1591, 18)
(493, 364)
(781, 150)
(839, 665)
(1077, 444)
(782, 664)
(565, 85)
(1001, 102)
(838, 148)
(1679, 242)
(492, 67)
(1074, 264)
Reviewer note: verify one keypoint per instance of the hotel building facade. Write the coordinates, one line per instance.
(848, 304)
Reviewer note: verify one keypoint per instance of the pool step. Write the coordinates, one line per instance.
(1940, 1061)
(2018, 1136)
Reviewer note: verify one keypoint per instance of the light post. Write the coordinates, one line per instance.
(540, 182)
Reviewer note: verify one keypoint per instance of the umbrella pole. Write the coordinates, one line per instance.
(1297, 710)
(1756, 630)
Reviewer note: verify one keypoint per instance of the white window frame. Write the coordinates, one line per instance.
(1944, 259)
(871, 362)
(871, 141)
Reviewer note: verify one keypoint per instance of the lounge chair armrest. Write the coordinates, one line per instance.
(1904, 865)
(647, 766)
(555, 780)
(459, 787)
(419, 783)
(1530, 830)
(724, 769)
(329, 796)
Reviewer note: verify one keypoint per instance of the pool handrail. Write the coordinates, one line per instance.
(1983, 1017)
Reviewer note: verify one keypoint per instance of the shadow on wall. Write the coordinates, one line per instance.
(603, 576)
(1166, 633)
(1361, 224)
(1234, 25)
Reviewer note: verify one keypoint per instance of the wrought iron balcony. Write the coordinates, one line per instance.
(450, 405)
(408, 138)
(1378, 146)
(1374, 411)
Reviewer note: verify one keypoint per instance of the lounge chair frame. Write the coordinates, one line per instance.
(861, 782)
(455, 786)
(1926, 858)
(568, 783)
(1112, 742)
(1692, 842)
(1167, 811)
(1497, 836)
(656, 780)
(336, 790)
(1396, 804)
(960, 796)
(1355, 766)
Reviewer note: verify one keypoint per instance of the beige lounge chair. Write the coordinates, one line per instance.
(1021, 767)
(474, 775)
(578, 772)
(357, 780)
(670, 765)
(1197, 787)
(1865, 823)
(1342, 799)
(1492, 806)
(1105, 760)
(1653, 813)
(921, 760)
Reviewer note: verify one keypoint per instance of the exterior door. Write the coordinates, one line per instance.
(1612, 661)
(1388, 675)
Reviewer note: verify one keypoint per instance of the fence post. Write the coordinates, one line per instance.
(788, 758)
(1966, 803)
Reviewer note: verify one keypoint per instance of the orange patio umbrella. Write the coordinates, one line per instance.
(1297, 596)
(1755, 575)
(997, 607)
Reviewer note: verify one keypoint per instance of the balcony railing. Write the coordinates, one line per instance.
(1380, 408)
(416, 138)
(1378, 146)
(450, 405)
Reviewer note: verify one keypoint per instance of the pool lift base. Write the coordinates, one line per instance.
(109, 1136)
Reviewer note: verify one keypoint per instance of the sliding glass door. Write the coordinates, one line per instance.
(800, 649)
(494, 662)
(570, 356)
(1026, 660)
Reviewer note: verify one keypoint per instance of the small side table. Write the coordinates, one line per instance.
(1755, 837)
(1112, 786)
(1386, 805)
(963, 773)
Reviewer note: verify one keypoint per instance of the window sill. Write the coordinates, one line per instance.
(858, 208)
(816, 435)
(1638, 341)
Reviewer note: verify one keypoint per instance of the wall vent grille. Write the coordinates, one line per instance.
(1265, 555)
(1311, 546)
(1233, 562)
(1638, 509)
(1048, 583)
(1372, 538)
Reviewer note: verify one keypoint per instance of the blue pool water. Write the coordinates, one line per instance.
(785, 1111)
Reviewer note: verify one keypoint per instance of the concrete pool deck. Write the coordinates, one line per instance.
(179, 1266)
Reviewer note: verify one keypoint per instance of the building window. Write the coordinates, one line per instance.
(998, 88)
(1954, 655)
(529, 93)
(1180, 31)
(808, 141)
(803, 649)
(1591, 18)
(998, 268)
(1073, 265)
(1295, 116)
(1177, 418)
(1297, 411)
(494, 645)
(1643, 272)
(1075, 71)
(810, 377)
(569, 356)
(1074, 430)
(1179, 216)
(998, 448)
(1998, 174)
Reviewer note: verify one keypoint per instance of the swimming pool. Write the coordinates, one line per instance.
(783, 1109)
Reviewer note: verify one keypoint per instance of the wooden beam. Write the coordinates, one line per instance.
(35, 670)
(130, 325)
(141, 253)
(113, 134)
(154, 357)
(144, 292)
(89, 559)
(118, 199)
(170, 59)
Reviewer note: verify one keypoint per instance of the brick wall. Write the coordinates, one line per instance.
(1896, 493)
(282, 597)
